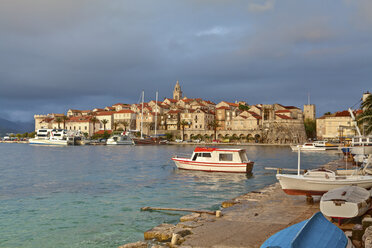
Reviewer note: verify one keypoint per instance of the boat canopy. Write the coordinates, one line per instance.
(212, 149)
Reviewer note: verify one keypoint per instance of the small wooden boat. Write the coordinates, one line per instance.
(315, 232)
(216, 160)
(345, 202)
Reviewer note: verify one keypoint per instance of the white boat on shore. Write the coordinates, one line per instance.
(216, 160)
(319, 181)
(345, 202)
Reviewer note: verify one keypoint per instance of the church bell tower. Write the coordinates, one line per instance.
(177, 93)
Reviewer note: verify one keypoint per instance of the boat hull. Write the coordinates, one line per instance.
(361, 150)
(303, 149)
(299, 185)
(127, 142)
(187, 164)
(49, 142)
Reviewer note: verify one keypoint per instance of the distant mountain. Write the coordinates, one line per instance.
(7, 126)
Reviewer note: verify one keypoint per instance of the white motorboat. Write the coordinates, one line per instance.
(216, 160)
(308, 147)
(326, 145)
(345, 202)
(52, 137)
(120, 140)
(319, 181)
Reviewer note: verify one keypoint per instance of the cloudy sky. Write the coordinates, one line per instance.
(56, 55)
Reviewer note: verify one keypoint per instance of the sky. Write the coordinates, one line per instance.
(82, 54)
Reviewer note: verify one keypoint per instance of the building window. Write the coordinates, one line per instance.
(86, 128)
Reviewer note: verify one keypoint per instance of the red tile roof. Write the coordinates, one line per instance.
(171, 100)
(284, 117)
(125, 111)
(174, 111)
(283, 111)
(103, 131)
(105, 113)
(223, 107)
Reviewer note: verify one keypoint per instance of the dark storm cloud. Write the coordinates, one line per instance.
(57, 55)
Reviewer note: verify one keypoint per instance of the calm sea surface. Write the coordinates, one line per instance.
(90, 196)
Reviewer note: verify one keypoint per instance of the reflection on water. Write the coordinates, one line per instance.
(90, 196)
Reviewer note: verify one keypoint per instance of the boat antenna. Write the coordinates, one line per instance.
(143, 97)
(156, 112)
(308, 98)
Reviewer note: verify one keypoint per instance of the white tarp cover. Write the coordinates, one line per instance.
(353, 194)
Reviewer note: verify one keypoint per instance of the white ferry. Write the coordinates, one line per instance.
(216, 160)
(52, 137)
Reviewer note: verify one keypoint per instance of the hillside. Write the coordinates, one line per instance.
(7, 126)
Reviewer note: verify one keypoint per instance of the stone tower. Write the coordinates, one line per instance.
(177, 93)
(309, 112)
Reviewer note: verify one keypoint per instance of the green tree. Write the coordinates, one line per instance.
(214, 125)
(310, 128)
(183, 123)
(25, 135)
(116, 124)
(18, 135)
(243, 107)
(58, 120)
(169, 136)
(365, 119)
(125, 124)
(104, 122)
(327, 113)
(31, 135)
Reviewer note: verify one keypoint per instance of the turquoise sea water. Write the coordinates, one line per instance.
(90, 196)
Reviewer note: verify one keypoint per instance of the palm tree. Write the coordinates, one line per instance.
(115, 125)
(365, 118)
(183, 123)
(214, 125)
(94, 120)
(125, 124)
(104, 122)
(64, 119)
(58, 120)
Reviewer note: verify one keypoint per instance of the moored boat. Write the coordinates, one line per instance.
(308, 147)
(345, 202)
(315, 232)
(216, 160)
(52, 137)
(119, 140)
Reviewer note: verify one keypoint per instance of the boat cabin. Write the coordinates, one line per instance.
(362, 141)
(217, 155)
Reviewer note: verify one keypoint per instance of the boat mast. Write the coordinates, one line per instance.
(298, 161)
(156, 112)
(143, 97)
(354, 121)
